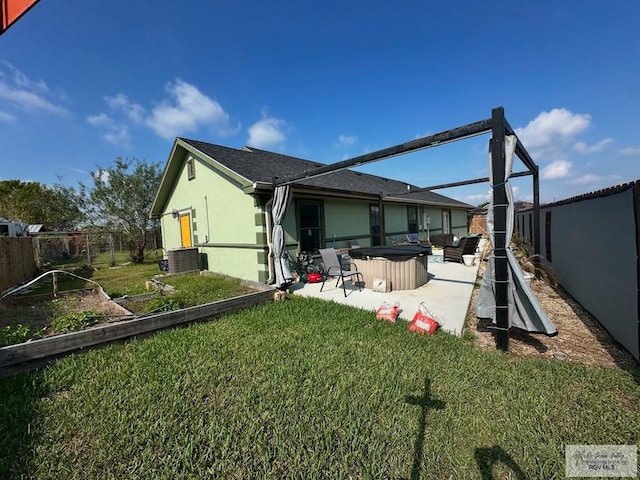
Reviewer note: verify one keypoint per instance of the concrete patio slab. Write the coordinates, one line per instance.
(446, 294)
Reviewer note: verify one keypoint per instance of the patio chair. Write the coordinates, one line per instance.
(441, 239)
(354, 244)
(393, 240)
(414, 239)
(333, 268)
(466, 246)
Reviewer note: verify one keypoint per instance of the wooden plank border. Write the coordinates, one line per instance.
(14, 358)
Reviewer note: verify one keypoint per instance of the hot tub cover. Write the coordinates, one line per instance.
(398, 252)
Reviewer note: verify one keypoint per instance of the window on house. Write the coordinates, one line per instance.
(374, 224)
(191, 169)
(412, 218)
(310, 232)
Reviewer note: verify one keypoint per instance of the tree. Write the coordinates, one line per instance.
(121, 199)
(56, 207)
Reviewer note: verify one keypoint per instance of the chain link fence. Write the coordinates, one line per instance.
(94, 249)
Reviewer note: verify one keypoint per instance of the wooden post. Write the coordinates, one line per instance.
(88, 249)
(112, 250)
(55, 284)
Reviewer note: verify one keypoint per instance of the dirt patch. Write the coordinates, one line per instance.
(580, 339)
(38, 316)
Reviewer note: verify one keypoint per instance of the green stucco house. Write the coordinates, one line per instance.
(218, 199)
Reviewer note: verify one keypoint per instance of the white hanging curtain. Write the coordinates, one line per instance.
(281, 199)
(525, 312)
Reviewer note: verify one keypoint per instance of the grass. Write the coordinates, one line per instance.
(123, 279)
(191, 289)
(307, 389)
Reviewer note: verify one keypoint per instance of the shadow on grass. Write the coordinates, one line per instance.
(19, 419)
(425, 402)
(488, 457)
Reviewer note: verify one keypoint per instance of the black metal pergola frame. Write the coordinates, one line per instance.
(499, 128)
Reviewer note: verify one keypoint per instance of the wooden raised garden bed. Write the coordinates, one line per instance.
(34, 353)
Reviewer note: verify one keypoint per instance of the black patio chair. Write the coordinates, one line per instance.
(466, 246)
(344, 271)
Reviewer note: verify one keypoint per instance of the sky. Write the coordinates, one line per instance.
(82, 83)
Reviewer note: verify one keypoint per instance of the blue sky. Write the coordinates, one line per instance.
(82, 83)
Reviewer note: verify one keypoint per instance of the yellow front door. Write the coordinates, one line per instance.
(185, 230)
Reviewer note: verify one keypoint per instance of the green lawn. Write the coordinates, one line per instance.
(307, 389)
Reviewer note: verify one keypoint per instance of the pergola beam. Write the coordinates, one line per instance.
(459, 184)
(459, 133)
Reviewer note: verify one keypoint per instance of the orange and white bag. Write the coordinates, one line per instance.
(388, 312)
(423, 321)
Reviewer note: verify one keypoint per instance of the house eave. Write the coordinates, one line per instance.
(414, 201)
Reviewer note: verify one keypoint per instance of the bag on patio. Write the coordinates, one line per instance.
(388, 312)
(423, 321)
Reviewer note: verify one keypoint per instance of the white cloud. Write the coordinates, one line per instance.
(187, 110)
(266, 132)
(78, 170)
(6, 117)
(132, 111)
(346, 140)
(478, 198)
(550, 132)
(630, 151)
(17, 89)
(115, 133)
(586, 179)
(119, 136)
(557, 169)
(582, 147)
(101, 120)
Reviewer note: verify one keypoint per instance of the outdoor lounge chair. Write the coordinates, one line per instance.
(393, 240)
(466, 246)
(441, 239)
(354, 244)
(333, 268)
(414, 239)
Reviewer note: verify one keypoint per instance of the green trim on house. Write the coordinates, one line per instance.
(262, 257)
(263, 276)
(260, 220)
(261, 238)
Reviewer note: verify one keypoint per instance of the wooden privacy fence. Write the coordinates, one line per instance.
(478, 224)
(17, 262)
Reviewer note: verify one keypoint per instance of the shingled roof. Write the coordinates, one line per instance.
(262, 166)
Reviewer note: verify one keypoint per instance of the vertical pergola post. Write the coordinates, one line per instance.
(500, 227)
(381, 214)
(536, 221)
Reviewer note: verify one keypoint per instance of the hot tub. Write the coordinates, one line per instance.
(403, 266)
